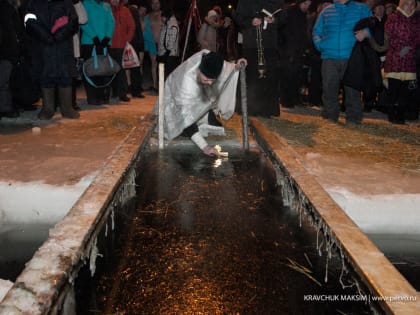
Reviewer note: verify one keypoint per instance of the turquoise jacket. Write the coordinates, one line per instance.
(333, 33)
(100, 22)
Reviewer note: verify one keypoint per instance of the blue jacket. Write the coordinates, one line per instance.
(333, 33)
(100, 22)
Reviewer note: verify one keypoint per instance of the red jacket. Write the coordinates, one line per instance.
(402, 31)
(124, 26)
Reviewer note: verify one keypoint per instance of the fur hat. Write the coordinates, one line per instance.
(211, 65)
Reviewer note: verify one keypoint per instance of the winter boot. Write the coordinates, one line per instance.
(48, 104)
(67, 110)
(74, 96)
(396, 115)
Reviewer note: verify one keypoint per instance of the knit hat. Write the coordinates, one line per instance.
(212, 13)
(211, 65)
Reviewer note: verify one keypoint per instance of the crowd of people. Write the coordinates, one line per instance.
(341, 55)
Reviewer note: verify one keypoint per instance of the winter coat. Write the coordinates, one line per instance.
(137, 42)
(402, 31)
(377, 30)
(168, 40)
(83, 19)
(246, 11)
(363, 70)
(292, 33)
(11, 32)
(53, 55)
(207, 37)
(333, 34)
(124, 27)
(149, 41)
(100, 21)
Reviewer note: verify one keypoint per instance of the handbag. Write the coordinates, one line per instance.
(130, 58)
(100, 66)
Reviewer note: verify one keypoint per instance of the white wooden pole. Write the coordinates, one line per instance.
(161, 104)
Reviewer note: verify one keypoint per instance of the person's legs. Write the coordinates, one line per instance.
(413, 100)
(136, 82)
(315, 83)
(92, 94)
(48, 103)
(6, 104)
(120, 86)
(330, 70)
(395, 109)
(66, 108)
(153, 66)
(354, 111)
(288, 97)
(352, 98)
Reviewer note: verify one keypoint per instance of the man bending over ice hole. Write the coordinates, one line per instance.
(195, 92)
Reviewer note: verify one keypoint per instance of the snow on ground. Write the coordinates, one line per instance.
(379, 199)
(384, 214)
(35, 202)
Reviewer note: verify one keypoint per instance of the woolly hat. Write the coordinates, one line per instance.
(211, 65)
(212, 13)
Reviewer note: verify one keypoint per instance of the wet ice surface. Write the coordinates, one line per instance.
(18, 243)
(403, 252)
(212, 237)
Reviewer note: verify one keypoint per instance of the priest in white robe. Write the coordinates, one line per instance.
(198, 90)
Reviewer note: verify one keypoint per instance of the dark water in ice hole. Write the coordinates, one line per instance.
(18, 243)
(403, 251)
(211, 237)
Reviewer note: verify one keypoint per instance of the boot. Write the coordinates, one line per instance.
(48, 104)
(67, 110)
(74, 97)
(396, 115)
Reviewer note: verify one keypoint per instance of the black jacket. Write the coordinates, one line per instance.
(53, 54)
(363, 70)
(246, 10)
(11, 32)
(138, 41)
(293, 37)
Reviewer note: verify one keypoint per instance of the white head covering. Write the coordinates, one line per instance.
(212, 13)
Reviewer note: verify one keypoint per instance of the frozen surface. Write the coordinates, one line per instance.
(36, 202)
(380, 199)
(385, 214)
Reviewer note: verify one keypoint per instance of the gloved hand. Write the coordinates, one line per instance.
(105, 41)
(210, 151)
(60, 22)
(96, 41)
(404, 51)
